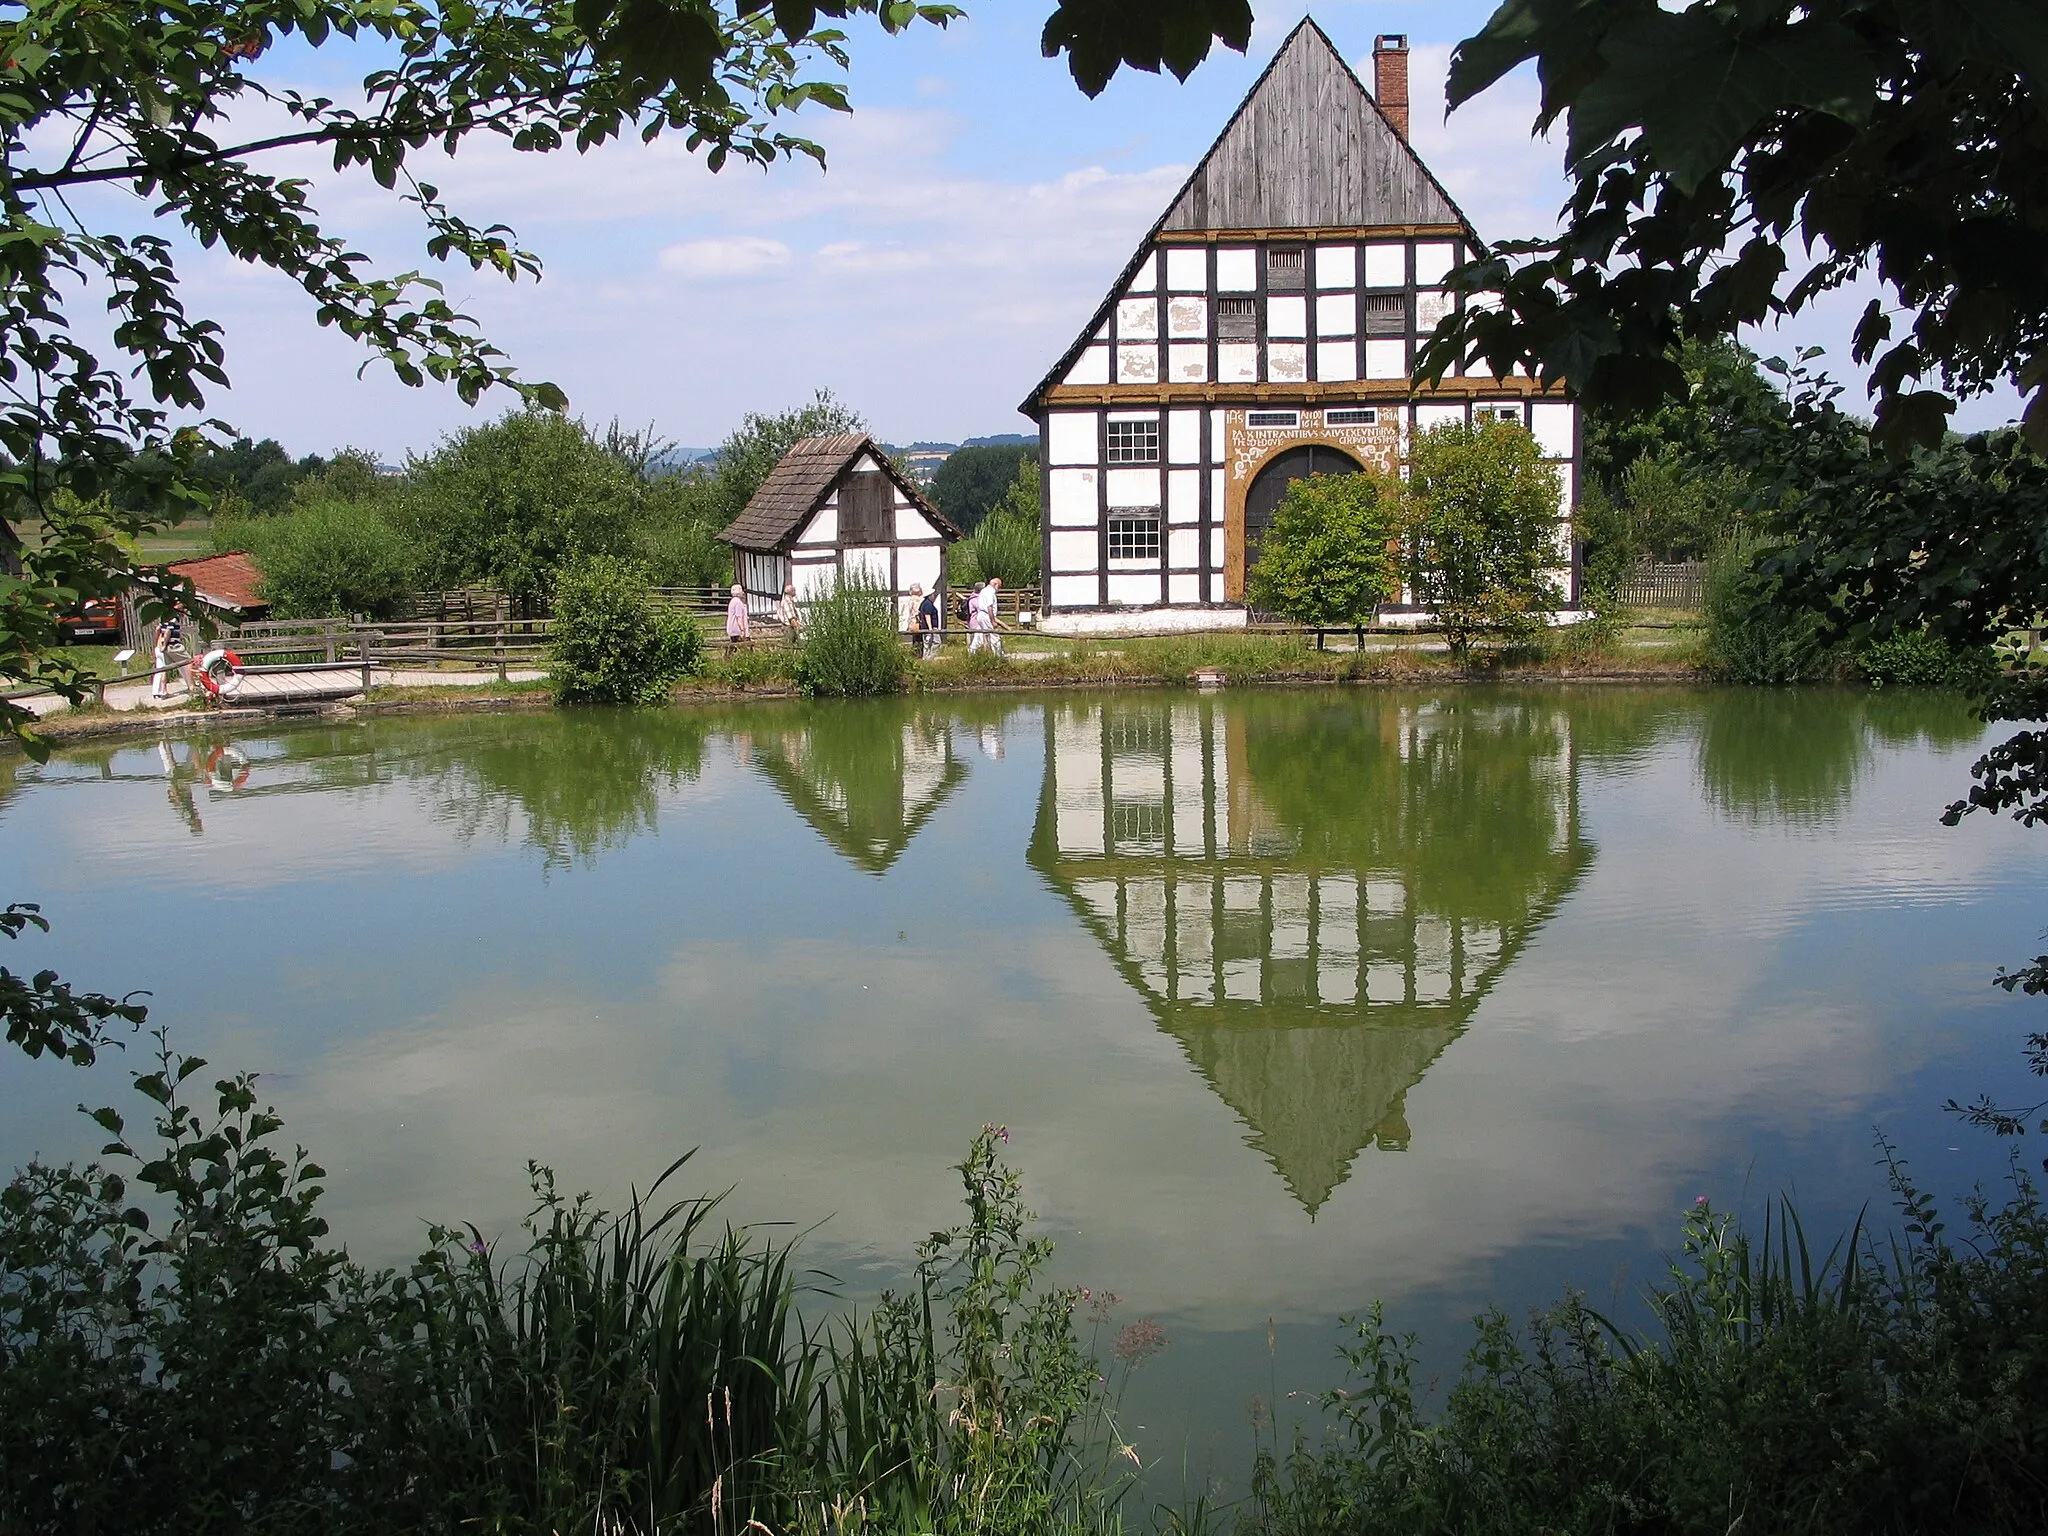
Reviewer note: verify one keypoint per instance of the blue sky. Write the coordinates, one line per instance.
(975, 208)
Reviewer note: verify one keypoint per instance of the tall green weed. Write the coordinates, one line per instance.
(1753, 638)
(851, 648)
(1898, 1388)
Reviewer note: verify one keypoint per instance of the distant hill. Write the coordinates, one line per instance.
(1004, 440)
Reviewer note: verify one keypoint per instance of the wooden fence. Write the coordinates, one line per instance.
(1681, 587)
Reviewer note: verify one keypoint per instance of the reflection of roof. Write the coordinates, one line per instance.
(225, 581)
(870, 805)
(799, 484)
(1316, 1087)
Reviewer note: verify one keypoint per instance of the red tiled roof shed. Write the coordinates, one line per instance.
(224, 581)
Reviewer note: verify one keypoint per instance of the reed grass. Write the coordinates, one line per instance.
(1895, 1387)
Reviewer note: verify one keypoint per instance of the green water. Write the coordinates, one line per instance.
(1289, 999)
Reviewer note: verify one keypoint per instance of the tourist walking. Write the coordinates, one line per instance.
(167, 637)
(789, 615)
(739, 627)
(927, 620)
(983, 620)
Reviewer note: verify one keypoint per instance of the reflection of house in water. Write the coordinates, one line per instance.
(867, 778)
(1314, 913)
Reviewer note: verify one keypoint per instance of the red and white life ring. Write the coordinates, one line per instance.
(216, 668)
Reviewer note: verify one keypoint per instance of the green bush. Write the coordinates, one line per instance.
(1753, 638)
(610, 644)
(329, 559)
(1482, 532)
(1329, 557)
(851, 648)
(1917, 659)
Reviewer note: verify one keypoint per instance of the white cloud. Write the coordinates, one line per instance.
(726, 256)
(857, 256)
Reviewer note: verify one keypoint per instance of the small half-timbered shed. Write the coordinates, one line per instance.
(1266, 328)
(835, 507)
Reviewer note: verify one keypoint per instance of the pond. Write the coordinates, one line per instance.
(1289, 999)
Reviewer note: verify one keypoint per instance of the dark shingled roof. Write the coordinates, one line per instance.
(802, 481)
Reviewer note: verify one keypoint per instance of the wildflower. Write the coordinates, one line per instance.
(1135, 1343)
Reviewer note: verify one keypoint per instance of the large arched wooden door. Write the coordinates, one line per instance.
(1263, 497)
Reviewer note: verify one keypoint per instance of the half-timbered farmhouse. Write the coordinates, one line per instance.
(1265, 329)
(835, 507)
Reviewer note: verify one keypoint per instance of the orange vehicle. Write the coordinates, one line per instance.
(97, 618)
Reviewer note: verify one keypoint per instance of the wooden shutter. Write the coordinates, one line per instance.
(867, 508)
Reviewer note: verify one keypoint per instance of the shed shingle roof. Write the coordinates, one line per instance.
(806, 475)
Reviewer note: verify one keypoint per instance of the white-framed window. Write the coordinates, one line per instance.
(1134, 442)
(1353, 416)
(1499, 411)
(1134, 535)
(1272, 418)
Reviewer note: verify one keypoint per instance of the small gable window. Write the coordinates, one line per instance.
(1237, 320)
(867, 508)
(1287, 270)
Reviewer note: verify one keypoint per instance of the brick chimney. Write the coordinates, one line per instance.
(1390, 78)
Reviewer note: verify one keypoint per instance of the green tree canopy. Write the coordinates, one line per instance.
(1735, 161)
(509, 503)
(323, 559)
(1482, 530)
(1329, 557)
(973, 480)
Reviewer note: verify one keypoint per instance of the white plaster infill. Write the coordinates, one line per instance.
(1142, 621)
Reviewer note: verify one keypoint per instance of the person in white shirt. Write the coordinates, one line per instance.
(789, 615)
(983, 622)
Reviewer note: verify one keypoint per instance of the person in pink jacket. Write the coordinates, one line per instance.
(739, 627)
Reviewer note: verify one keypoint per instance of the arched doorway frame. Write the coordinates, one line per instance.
(1240, 490)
